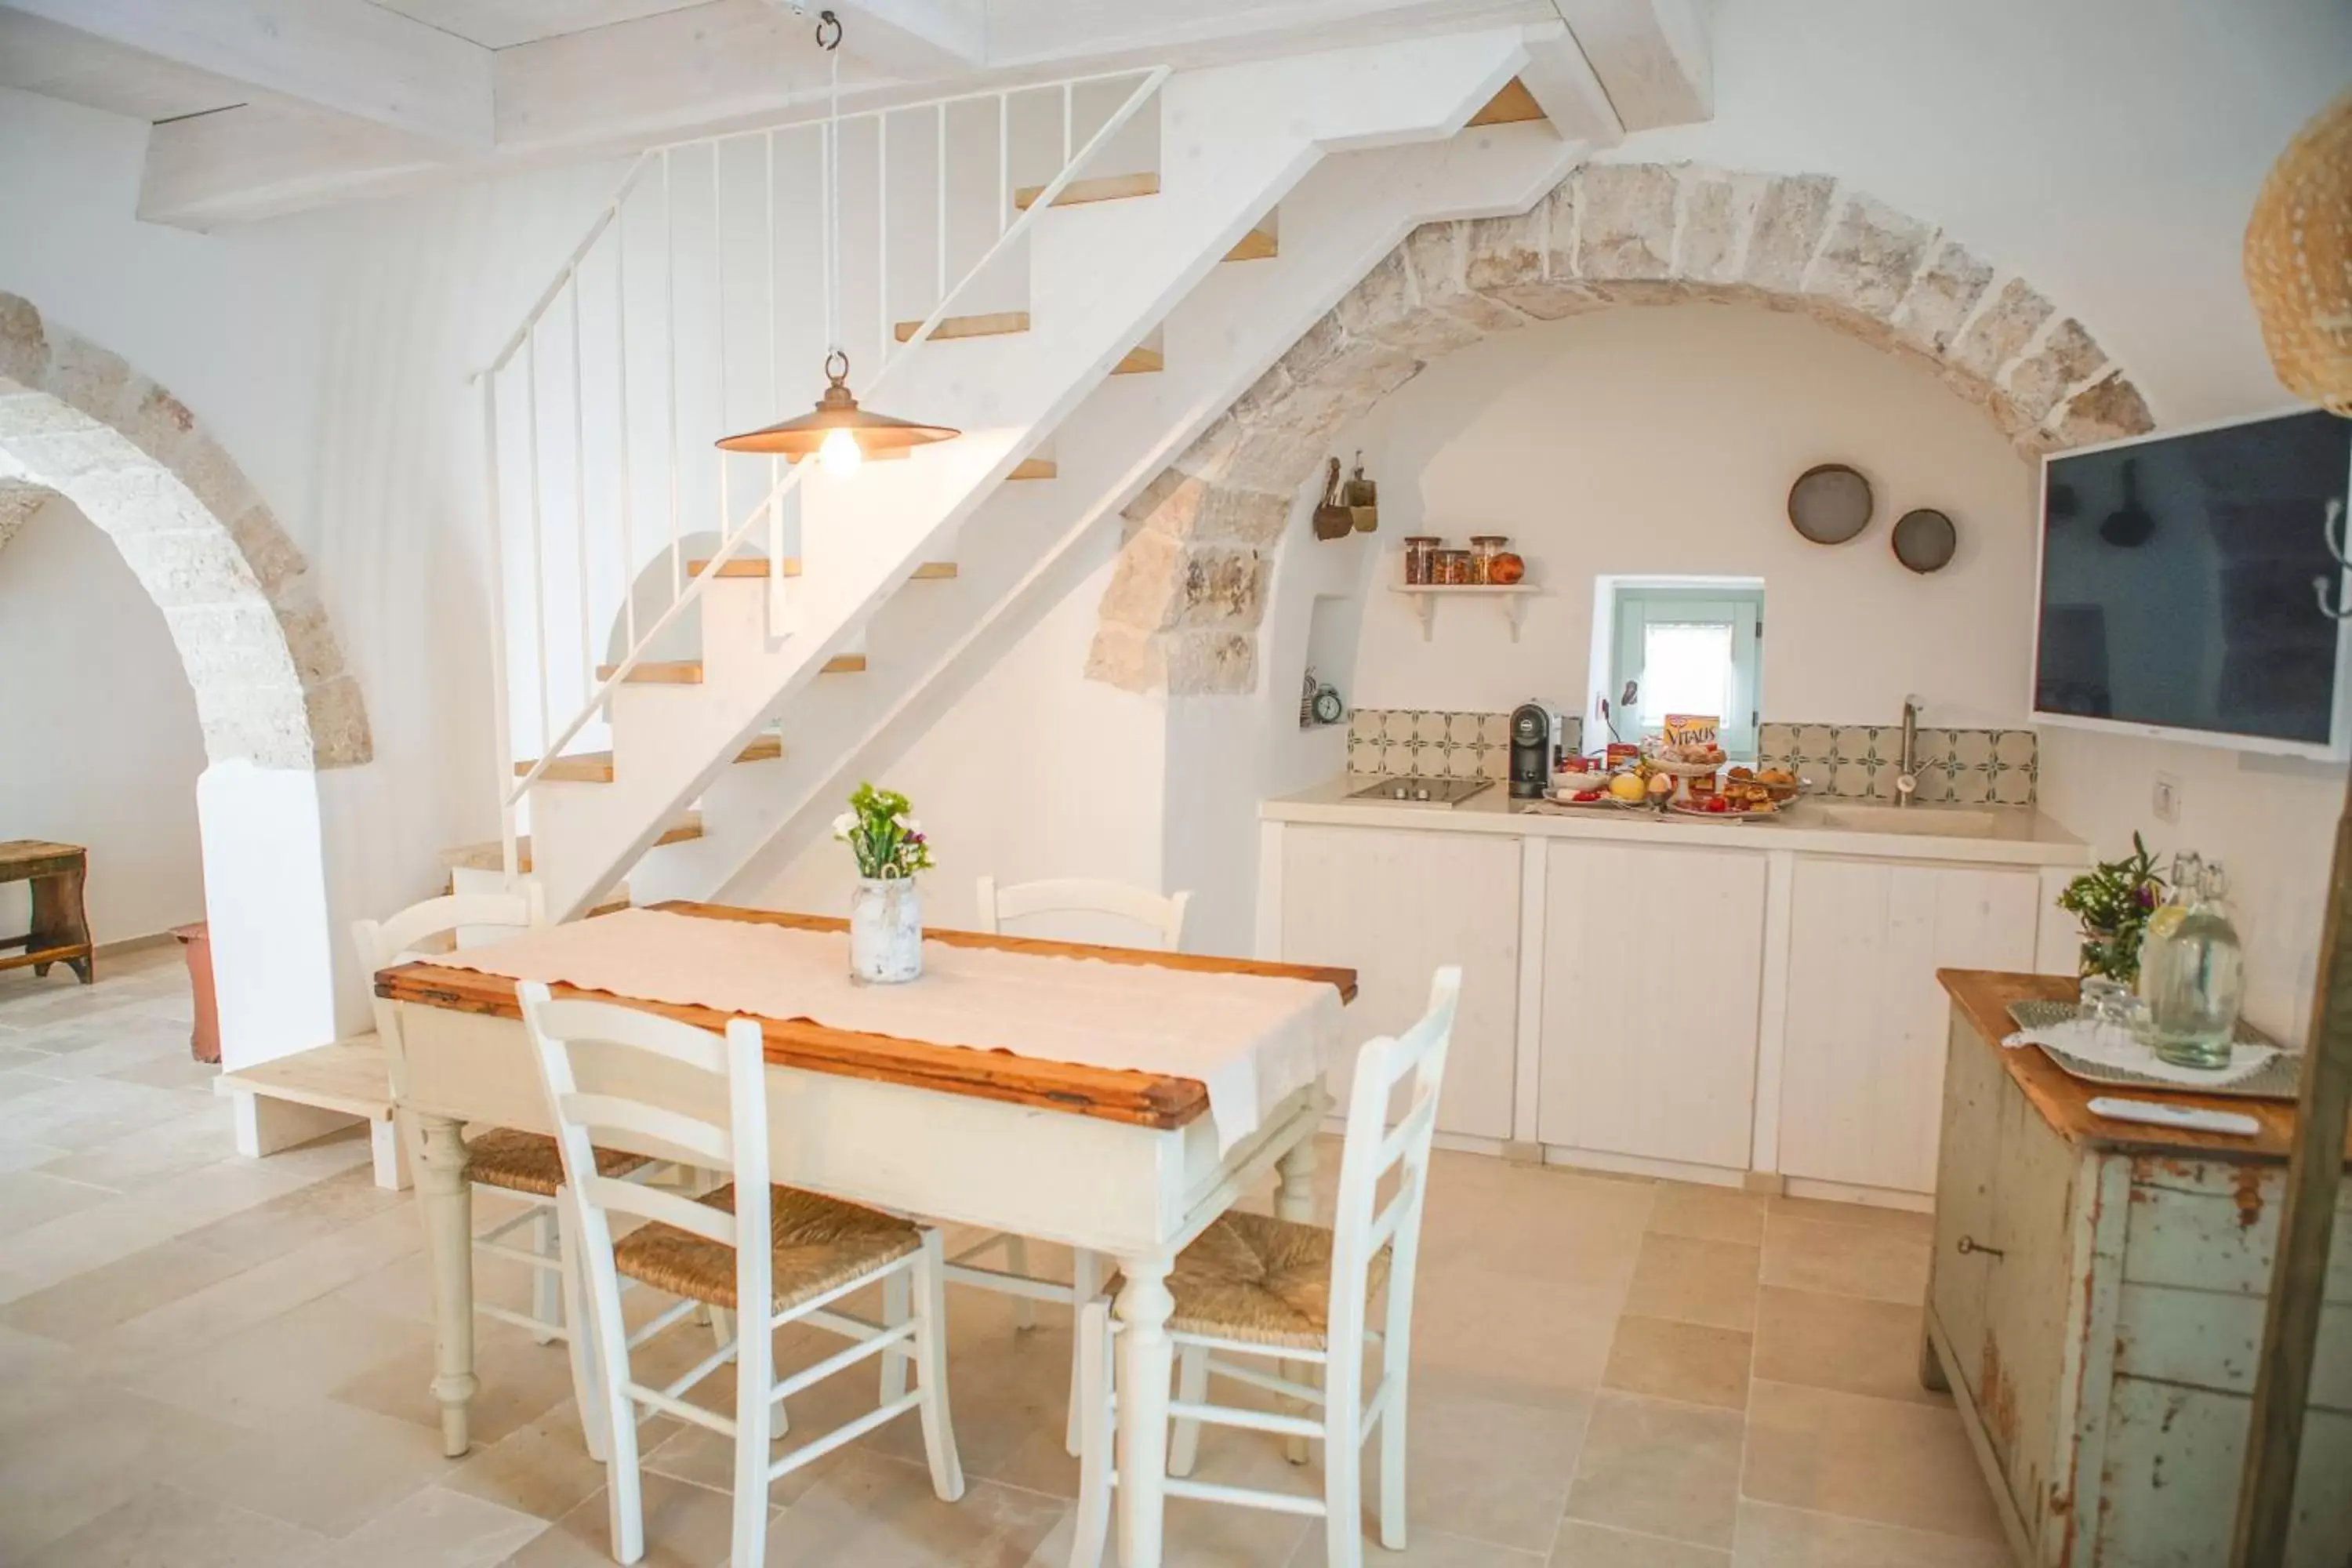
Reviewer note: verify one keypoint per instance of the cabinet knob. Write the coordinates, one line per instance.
(1970, 1244)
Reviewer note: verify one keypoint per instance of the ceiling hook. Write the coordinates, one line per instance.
(828, 31)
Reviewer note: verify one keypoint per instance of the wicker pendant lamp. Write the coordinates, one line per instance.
(2298, 260)
(837, 431)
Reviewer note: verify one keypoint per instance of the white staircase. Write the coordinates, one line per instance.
(710, 716)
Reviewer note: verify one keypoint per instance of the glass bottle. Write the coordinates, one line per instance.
(2201, 981)
(2188, 874)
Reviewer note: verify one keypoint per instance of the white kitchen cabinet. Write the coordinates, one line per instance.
(1652, 965)
(1394, 905)
(1862, 1070)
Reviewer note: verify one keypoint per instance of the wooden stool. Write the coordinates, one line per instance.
(60, 932)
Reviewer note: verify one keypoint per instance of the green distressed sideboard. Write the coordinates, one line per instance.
(2096, 1303)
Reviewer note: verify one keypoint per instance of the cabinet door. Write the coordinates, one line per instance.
(1968, 1174)
(1395, 906)
(1863, 1071)
(1652, 963)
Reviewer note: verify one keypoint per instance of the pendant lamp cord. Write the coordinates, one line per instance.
(828, 38)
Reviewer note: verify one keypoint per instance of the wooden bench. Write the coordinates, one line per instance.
(345, 1079)
(60, 932)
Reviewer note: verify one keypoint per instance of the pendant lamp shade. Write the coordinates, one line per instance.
(2298, 260)
(875, 434)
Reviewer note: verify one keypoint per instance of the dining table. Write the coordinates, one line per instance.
(1130, 1162)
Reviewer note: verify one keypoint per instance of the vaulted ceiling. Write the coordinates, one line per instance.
(260, 107)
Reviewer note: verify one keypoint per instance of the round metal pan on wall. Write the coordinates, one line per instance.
(1829, 503)
(1925, 540)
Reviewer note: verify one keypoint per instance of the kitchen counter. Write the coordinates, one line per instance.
(1979, 835)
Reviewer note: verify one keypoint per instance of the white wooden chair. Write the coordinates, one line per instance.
(1271, 1289)
(524, 1166)
(1163, 918)
(804, 1253)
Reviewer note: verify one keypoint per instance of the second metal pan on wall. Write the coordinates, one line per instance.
(1925, 540)
(1829, 504)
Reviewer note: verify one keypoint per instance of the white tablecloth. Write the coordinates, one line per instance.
(1252, 1039)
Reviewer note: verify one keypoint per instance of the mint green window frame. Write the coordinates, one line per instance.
(1636, 609)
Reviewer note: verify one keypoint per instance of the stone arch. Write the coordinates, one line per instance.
(1182, 609)
(77, 422)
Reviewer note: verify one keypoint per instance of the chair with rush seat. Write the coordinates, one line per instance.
(1274, 1290)
(765, 1255)
(1163, 917)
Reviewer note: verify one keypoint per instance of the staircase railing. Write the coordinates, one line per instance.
(601, 547)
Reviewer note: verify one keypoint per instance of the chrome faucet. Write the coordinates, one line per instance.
(1907, 777)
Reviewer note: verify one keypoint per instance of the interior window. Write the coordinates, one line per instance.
(1690, 650)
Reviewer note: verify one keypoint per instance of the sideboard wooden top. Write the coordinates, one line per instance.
(1982, 997)
(1143, 1098)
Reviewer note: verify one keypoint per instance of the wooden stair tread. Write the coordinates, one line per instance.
(1141, 362)
(597, 767)
(994, 325)
(928, 572)
(658, 672)
(1255, 245)
(490, 854)
(1101, 188)
(1035, 469)
(845, 664)
(348, 1076)
(1515, 105)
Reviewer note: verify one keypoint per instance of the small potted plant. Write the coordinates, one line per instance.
(885, 913)
(2113, 900)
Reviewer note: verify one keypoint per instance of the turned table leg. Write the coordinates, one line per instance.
(1145, 1359)
(446, 1198)
(1296, 1201)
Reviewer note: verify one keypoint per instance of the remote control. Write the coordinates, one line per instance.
(2182, 1116)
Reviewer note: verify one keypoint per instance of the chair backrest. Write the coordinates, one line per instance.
(393, 940)
(658, 1086)
(1372, 1147)
(1162, 916)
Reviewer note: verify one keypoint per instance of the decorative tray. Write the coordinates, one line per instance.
(1606, 802)
(2278, 1079)
(1679, 809)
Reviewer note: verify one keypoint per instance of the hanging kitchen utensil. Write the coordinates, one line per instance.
(1925, 540)
(1830, 503)
(1333, 521)
(1362, 498)
(2130, 525)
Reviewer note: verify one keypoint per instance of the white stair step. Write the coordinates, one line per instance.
(994, 325)
(490, 854)
(597, 767)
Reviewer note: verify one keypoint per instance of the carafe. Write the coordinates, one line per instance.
(2201, 981)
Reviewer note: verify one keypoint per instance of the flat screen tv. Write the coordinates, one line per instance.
(2182, 584)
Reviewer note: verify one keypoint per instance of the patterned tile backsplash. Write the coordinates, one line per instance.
(1432, 744)
(1962, 767)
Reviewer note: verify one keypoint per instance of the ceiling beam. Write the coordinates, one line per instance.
(351, 57)
(1652, 57)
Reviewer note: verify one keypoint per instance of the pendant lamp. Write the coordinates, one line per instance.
(840, 433)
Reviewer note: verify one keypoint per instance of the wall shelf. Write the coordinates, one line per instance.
(1511, 599)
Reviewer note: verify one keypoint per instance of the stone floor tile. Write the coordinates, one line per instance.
(1711, 1214)
(88, 1303)
(1513, 1338)
(1884, 1263)
(1423, 1548)
(440, 1526)
(1771, 1537)
(1916, 1221)
(1694, 1280)
(1881, 1459)
(1659, 1469)
(1582, 1546)
(880, 1512)
(1848, 1342)
(28, 1198)
(164, 1527)
(686, 1526)
(541, 1468)
(1490, 1470)
(1688, 1362)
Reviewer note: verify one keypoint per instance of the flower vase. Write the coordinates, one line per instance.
(885, 930)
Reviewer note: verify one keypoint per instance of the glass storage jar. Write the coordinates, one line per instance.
(1484, 548)
(1453, 568)
(1419, 551)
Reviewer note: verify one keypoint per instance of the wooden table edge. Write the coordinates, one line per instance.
(1112, 1094)
(1982, 997)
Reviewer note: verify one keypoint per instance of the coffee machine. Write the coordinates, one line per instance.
(1538, 735)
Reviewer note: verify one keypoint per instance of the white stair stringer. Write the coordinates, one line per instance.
(1235, 141)
(1030, 545)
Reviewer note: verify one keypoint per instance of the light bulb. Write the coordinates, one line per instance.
(839, 453)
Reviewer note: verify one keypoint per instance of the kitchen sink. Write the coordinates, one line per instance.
(1925, 821)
